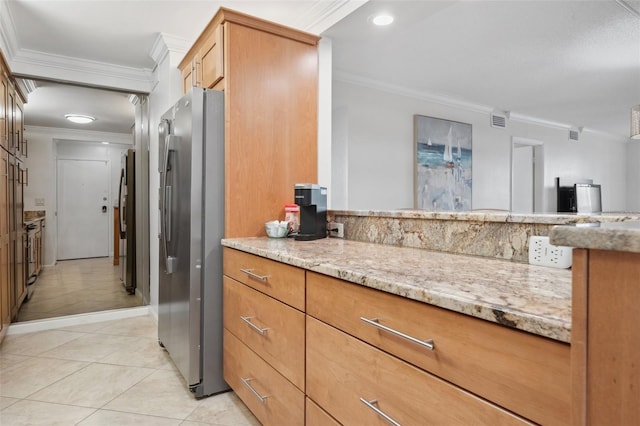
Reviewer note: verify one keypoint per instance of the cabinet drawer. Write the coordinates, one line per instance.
(269, 396)
(283, 282)
(316, 416)
(343, 371)
(524, 373)
(270, 328)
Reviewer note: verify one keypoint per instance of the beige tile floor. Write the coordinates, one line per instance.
(107, 373)
(77, 287)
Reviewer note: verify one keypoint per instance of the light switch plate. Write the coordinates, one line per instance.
(541, 252)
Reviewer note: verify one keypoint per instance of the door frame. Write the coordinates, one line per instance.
(109, 199)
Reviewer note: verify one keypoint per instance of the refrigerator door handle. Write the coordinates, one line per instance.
(165, 210)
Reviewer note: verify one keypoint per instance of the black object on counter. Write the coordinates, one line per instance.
(312, 199)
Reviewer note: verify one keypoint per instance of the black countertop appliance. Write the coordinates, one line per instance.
(312, 199)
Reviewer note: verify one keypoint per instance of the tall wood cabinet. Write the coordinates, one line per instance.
(605, 337)
(13, 149)
(269, 74)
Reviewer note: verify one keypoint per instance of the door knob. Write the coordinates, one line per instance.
(104, 209)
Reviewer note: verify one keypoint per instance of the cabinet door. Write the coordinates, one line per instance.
(4, 137)
(187, 77)
(18, 128)
(5, 270)
(210, 59)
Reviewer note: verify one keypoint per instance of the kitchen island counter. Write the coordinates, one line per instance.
(531, 298)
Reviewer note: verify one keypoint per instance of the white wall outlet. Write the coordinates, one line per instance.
(541, 252)
(39, 202)
(336, 229)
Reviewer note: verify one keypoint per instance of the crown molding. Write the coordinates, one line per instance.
(32, 63)
(323, 14)
(166, 43)
(75, 135)
(8, 42)
(449, 101)
(441, 99)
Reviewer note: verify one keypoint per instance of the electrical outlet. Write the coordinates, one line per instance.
(541, 252)
(336, 229)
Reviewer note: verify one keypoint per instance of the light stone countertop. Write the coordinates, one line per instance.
(624, 236)
(536, 299)
(491, 215)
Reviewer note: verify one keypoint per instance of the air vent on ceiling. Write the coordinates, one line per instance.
(574, 135)
(498, 120)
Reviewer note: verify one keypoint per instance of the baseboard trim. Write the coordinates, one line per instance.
(79, 319)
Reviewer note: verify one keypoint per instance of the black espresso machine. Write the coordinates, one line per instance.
(312, 199)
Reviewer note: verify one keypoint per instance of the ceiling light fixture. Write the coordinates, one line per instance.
(105, 143)
(635, 122)
(79, 118)
(382, 19)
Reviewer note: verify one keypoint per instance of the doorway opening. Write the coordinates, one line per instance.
(70, 263)
(527, 175)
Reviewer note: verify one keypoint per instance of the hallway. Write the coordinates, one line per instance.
(76, 287)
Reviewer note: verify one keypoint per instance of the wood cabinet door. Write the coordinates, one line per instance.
(4, 137)
(187, 80)
(211, 59)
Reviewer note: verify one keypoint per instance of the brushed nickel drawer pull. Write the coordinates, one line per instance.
(385, 416)
(254, 275)
(262, 331)
(376, 323)
(261, 398)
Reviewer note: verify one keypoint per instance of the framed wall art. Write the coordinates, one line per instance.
(443, 152)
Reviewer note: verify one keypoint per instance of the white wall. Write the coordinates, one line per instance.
(44, 149)
(166, 92)
(378, 134)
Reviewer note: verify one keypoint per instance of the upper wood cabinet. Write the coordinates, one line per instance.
(269, 74)
(205, 65)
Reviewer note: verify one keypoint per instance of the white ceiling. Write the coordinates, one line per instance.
(576, 63)
(573, 63)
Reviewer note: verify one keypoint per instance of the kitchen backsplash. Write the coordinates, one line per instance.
(495, 234)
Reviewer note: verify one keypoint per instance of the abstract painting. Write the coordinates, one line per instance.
(442, 177)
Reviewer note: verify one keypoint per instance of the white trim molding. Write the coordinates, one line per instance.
(78, 319)
(59, 134)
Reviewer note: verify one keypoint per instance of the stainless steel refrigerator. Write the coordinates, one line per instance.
(191, 166)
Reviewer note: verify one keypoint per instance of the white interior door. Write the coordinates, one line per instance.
(83, 209)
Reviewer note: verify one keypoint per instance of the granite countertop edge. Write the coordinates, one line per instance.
(492, 215)
(556, 327)
(611, 236)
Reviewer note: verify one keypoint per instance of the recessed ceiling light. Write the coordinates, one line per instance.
(382, 19)
(79, 118)
(105, 143)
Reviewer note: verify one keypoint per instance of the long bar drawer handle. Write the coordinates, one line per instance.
(385, 416)
(262, 398)
(262, 331)
(256, 276)
(376, 323)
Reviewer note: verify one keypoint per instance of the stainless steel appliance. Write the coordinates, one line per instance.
(588, 198)
(127, 223)
(191, 166)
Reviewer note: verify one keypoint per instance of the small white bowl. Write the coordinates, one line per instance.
(276, 229)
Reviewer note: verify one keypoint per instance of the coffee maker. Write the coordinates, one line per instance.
(312, 199)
